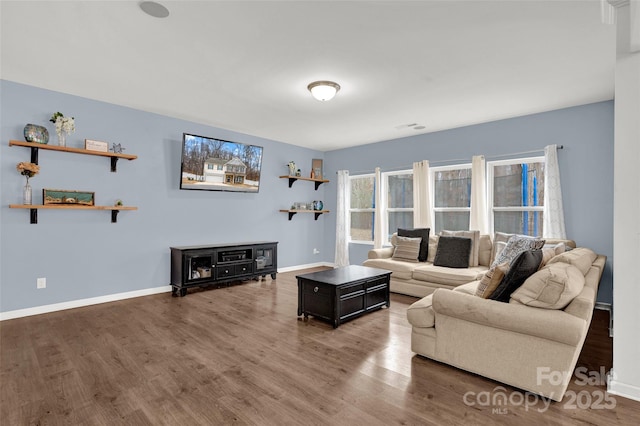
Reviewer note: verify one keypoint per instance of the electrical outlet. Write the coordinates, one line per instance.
(41, 283)
(316, 251)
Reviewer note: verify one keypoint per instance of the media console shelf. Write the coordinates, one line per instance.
(199, 266)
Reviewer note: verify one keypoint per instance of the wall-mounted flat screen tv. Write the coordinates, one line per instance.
(211, 164)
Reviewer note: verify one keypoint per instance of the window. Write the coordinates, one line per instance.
(362, 207)
(516, 195)
(398, 201)
(209, 166)
(451, 197)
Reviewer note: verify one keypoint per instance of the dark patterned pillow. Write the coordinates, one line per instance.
(453, 252)
(516, 245)
(418, 233)
(522, 267)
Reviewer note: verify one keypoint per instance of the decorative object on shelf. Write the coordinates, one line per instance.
(117, 148)
(64, 126)
(316, 168)
(99, 146)
(292, 168)
(35, 133)
(298, 173)
(27, 170)
(62, 196)
(318, 205)
(118, 203)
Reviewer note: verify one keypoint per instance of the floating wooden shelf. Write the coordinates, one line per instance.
(37, 146)
(316, 212)
(292, 179)
(35, 207)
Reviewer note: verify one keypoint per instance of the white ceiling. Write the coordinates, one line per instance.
(245, 66)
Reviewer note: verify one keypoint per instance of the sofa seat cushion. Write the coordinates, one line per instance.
(420, 314)
(468, 288)
(401, 270)
(451, 276)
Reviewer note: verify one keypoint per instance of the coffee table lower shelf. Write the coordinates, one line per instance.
(339, 295)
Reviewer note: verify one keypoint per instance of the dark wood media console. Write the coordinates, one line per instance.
(199, 266)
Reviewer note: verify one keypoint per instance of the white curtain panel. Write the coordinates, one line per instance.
(343, 219)
(378, 230)
(478, 219)
(421, 198)
(553, 217)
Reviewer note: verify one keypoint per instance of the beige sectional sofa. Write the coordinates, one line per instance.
(532, 342)
(422, 278)
(531, 348)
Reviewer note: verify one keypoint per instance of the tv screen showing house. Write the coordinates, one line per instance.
(211, 164)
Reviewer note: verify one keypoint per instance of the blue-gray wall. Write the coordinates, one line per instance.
(586, 167)
(81, 253)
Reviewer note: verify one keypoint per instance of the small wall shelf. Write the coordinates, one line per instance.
(316, 212)
(35, 207)
(292, 179)
(37, 146)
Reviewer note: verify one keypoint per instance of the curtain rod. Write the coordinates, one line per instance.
(410, 166)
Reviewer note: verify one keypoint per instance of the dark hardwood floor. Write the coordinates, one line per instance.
(239, 355)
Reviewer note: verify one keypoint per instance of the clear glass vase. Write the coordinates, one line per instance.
(26, 194)
(62, 139)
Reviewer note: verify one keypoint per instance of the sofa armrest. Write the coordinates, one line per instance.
(555, 325)
(381, 253)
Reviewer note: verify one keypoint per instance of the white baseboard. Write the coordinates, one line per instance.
(307, 266)
(624, 390)
(27, 312)
(19, 313)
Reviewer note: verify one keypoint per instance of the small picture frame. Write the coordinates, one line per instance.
(91, 145)
(316, 168)
(63, 197)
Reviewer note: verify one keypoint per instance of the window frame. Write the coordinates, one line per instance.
(372, 210)
(432, 188)
(385, 202)
(490, 189)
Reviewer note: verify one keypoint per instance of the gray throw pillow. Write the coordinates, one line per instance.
(407, 249)
(418, 233)
(453, 252)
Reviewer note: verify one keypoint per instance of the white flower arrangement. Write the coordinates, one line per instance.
(63, 124)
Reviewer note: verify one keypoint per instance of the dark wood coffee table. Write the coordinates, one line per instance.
(341, 294)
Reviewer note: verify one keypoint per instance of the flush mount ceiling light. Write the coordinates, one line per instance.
(154, 9)
(323, 90)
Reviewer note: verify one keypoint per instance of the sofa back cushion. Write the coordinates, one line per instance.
(484, 250)
(453, 252)
(581, 257)
(407, 249)
(475, 243)
(522, 267)
(418, 233)
(552, 287)
(433, 248)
